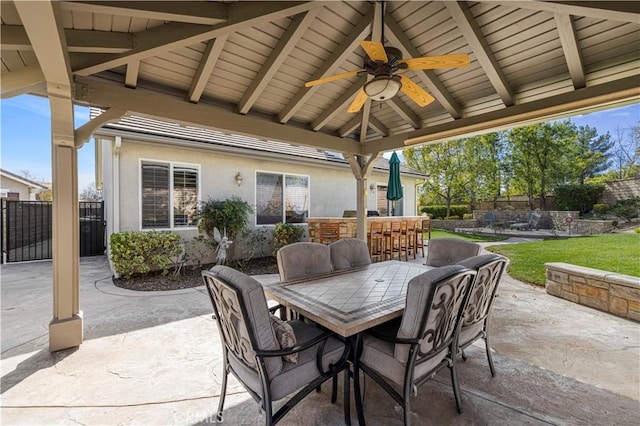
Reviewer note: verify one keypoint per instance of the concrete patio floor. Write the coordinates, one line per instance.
(155, 358)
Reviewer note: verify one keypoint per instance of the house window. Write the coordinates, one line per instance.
(169, 195)
(281, 198)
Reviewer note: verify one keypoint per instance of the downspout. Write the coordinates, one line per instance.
(116, 183)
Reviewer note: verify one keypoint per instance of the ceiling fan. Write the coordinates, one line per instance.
(386, 65)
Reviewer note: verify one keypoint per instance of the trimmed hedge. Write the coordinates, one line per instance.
(137, 252)
(440, 212)
(577, 197)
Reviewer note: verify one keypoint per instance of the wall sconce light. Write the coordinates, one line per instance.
(372, 186)
(239, 179)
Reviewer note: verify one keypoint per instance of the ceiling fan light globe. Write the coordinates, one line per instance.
(382, 88)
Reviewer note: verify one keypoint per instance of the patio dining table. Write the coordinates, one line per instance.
(350, 301)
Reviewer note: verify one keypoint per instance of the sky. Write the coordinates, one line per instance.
(25, 141)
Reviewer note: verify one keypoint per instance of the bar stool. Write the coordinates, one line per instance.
(329, 232)
(375, 239)
(392, 237)
(424, 226)
(409, 235)
(404, 241)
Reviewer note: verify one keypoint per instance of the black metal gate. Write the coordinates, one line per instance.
(27, 229)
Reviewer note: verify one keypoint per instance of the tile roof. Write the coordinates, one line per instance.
(138, 125)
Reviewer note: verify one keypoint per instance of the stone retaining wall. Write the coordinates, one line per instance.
(614, 293)
(591, 227)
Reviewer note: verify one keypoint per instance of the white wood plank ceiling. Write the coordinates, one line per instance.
(241, 66)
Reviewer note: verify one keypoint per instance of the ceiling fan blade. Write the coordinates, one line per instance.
(332, 78)
(433, 62)
(415, 92)
(375, 50)
(358, 101)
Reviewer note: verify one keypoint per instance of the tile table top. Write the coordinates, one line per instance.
(348, 302)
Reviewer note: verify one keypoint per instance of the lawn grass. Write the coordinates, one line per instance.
(438, 233)
(618, 253)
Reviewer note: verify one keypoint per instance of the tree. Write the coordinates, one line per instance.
(484, 155)
(538, 157)
(446, 165)
(90, 193)
(28, 175)
(626, 152)
(591, 153)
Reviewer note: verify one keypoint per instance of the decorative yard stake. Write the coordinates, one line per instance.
(223, 246)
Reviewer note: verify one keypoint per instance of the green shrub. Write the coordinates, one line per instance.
(452, 217)
(441, 211)
(637, 230)
(285, 234)
(580, 198)
(138, 252)
(600, 209)
(628, 209)
(230, 216)
(468, 216)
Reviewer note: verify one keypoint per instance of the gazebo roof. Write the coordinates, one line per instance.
(241, 66)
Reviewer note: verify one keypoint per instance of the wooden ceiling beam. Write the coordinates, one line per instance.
(607, 95)
(23, 81)
(472, 33)
(14, 37)
(205, 68)
(622, 11)
(329, 66)
(350, 126)
(569, 41)
(296, 28)
(429, 78)
(194, 12)
(405, 112)
(337, 105)
(89, 91)
(131, 77)
(175, 35)
(378, 126)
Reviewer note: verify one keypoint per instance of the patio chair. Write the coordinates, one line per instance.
(254, 350)
(492, 221)
(447, 251)
(299, 260)
(410, 350)
(349, 253)
(489, 268)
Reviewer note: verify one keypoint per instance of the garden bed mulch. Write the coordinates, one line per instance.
(192, 277)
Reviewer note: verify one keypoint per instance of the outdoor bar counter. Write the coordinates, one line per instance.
(348, 224)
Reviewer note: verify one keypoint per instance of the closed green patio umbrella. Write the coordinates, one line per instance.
(394, 187)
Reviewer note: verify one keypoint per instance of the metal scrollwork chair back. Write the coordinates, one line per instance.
(252, 352)
(410, 350)
(490, 268)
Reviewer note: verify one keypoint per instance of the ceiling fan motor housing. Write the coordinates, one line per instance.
(379, 68)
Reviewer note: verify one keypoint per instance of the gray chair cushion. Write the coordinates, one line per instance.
(417, 297)
(349, 253)
(258, 316)
(447, 251)
(299, 260)
(294, 376)
(380, 355)
(470, 333)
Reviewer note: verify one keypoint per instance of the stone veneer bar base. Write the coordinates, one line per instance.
(614, 293)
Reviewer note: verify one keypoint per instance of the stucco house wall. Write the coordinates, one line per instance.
(332, 186)
(25, 188)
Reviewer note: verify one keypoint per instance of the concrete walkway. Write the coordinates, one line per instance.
(155, 358)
